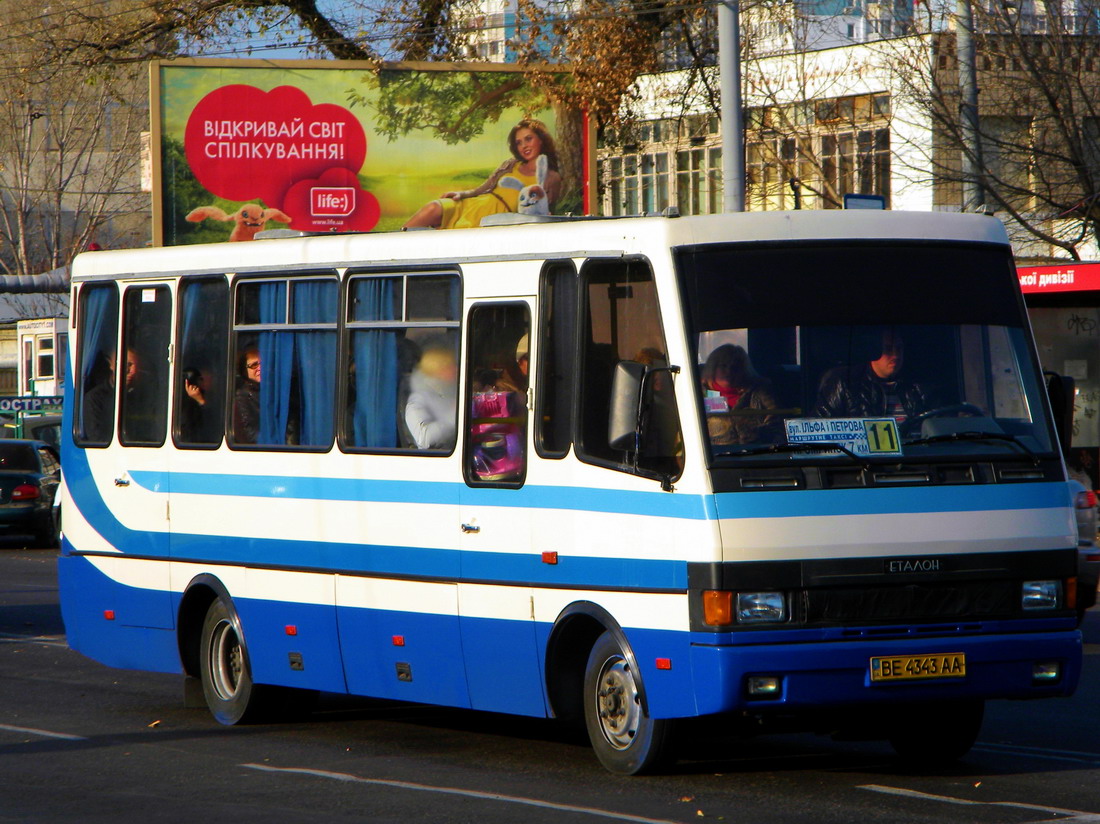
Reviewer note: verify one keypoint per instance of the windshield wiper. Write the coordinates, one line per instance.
(804, 446)
(977, 436)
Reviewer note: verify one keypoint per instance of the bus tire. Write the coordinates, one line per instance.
(935, 734)
(626, 740)
(226, 678)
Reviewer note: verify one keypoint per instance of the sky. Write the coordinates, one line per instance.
(269, 46)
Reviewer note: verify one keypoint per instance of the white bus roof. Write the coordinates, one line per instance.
(564, 238)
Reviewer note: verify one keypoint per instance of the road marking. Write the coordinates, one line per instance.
(1077, 815)
(44, 733)
(509, 799)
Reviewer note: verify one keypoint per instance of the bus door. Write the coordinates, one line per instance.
(495, 605)
(122, 423)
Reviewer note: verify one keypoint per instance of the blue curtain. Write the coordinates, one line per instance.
(315, 353)
(277, 366)
(99, 322)
(190, 304)
(99, 336)
(374, 416)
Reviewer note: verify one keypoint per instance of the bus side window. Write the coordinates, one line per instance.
(556, 373)
(202, 345)
(95, 368)
(285, 356)
(498, 361)
(622, 322)
(143, 365)
(402, 362)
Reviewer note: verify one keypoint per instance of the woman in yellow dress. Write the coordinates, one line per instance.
(500, 193)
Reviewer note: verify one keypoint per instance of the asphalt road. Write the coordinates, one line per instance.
(82, 742)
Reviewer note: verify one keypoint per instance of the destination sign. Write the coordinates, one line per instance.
(862, 436)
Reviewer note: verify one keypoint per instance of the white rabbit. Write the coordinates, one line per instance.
(533, 199)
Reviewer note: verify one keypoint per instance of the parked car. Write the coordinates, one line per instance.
(35, 427)
(30, 471)
(1088, 554)
(43, 428)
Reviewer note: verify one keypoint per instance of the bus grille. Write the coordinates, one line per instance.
(914, 602)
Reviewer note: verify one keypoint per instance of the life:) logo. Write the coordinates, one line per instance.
(332, 201)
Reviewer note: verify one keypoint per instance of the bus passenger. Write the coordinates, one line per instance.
(874, 389)
(433, 398)
(194, 412)
(99, 405)
(514, 377)
(739, 399)
(246, 401)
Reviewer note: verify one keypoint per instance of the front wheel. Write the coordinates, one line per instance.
(935, 734)
(626, 740)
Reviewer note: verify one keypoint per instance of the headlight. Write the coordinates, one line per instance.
(761, 607)
(1041, 595)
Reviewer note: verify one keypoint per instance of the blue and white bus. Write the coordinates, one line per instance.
(783, 468)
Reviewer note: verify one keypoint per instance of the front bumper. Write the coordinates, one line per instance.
(838, 674)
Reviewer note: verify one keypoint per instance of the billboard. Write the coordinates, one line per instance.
(1071, 276)
(333, 146)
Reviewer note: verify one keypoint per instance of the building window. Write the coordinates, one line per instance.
(691, 180)
(654, 182)
(638, 183)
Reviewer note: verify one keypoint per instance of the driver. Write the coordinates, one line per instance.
(872, 390)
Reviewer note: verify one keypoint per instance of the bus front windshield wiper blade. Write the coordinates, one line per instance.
(976, 436)
(807, 446)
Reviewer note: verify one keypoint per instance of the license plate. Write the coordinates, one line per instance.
(917, 667)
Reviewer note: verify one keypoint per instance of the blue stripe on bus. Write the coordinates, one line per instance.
(369, 559)
(893, 500)
(584, 499)
(778, 504)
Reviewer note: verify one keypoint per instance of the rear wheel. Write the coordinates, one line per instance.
(226, 677)
(932, 734)
(626, 740)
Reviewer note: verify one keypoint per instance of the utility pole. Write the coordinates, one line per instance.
(733, 127)
(972, 165)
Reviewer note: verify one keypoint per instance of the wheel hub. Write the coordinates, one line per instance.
(618, 704)
(225, 661)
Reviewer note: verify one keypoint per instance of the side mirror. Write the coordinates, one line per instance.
(1062, 389)
(626, 402)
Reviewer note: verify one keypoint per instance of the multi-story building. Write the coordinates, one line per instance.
(497, 27)
(871, 118)
(827, 124)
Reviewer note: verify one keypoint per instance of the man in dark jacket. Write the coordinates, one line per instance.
(872, 390)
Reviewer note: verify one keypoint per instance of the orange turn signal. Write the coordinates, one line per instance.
(717, 607)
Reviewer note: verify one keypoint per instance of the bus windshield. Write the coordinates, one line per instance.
(861, 351)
